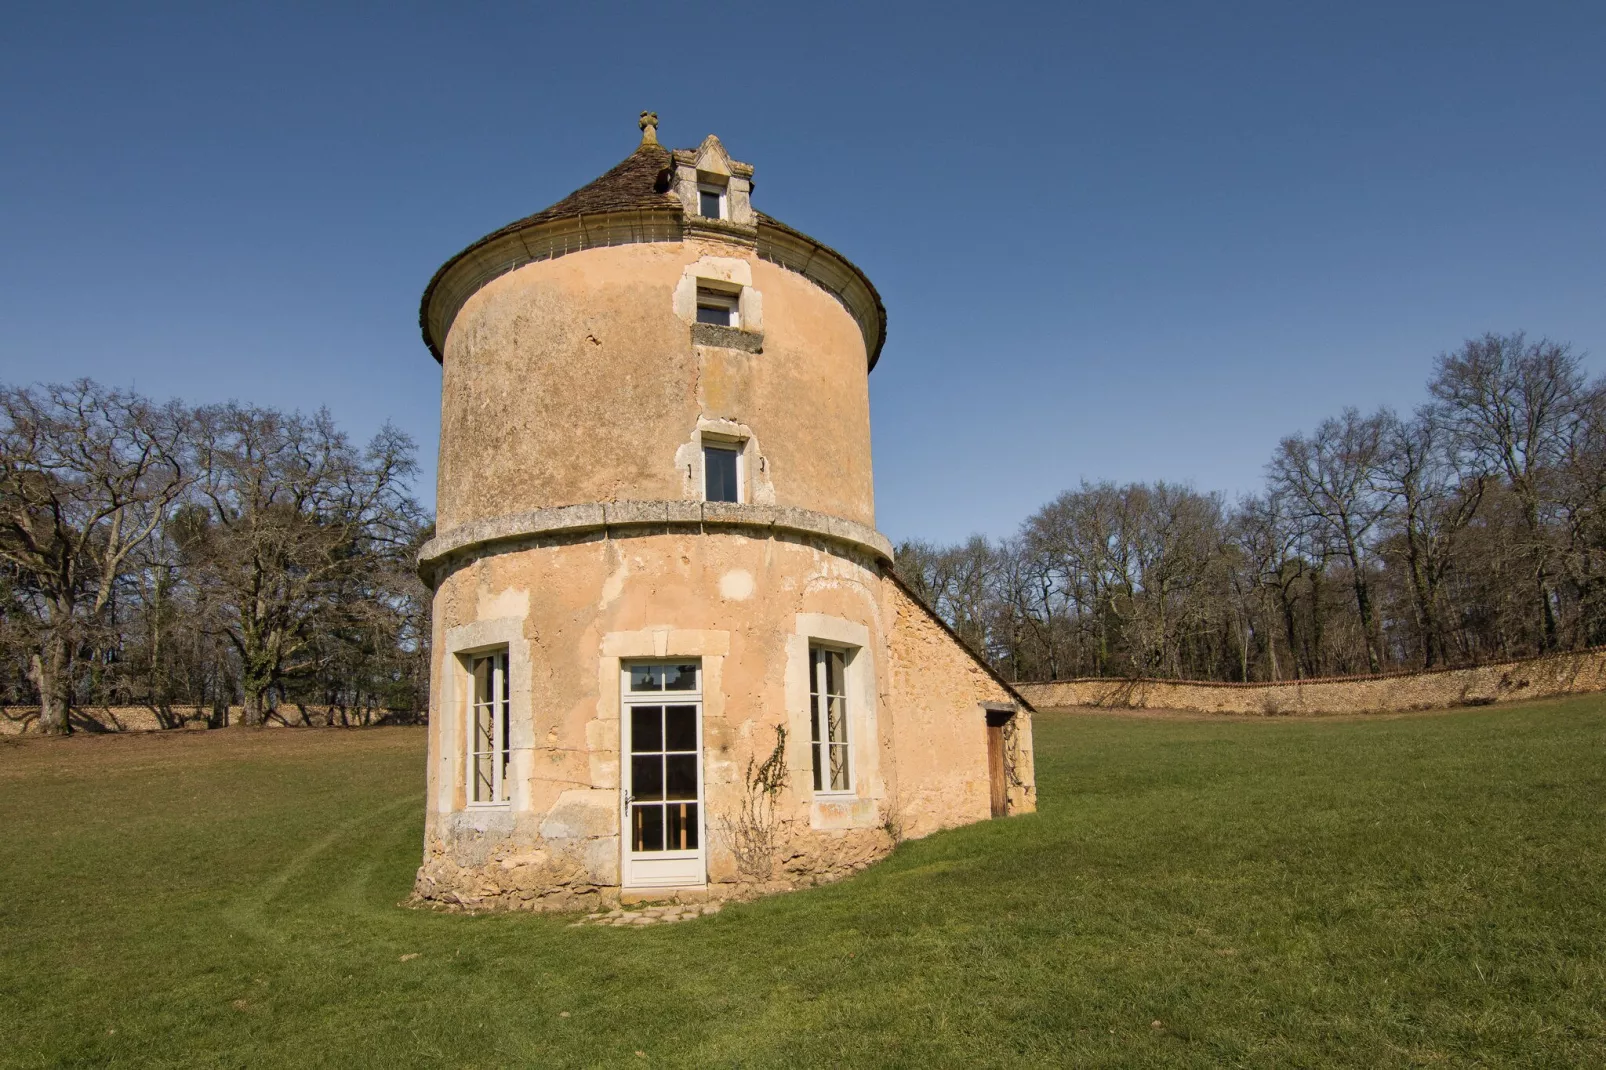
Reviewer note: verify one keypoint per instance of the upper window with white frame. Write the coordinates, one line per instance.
(710, 200)
(718, 307)
(722, 471)
(828, 714)
(488, 729)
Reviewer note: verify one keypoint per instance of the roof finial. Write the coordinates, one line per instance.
(649, 128)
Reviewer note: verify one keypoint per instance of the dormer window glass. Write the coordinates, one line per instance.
(720, 309)
(711, 201)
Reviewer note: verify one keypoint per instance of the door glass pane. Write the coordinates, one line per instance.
(681, 781)
(647, 831)
(681, 826)
(680, 728)
(646, 729)
(647, 776)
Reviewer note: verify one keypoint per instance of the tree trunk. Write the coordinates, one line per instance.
(256, 682)
(256, 702)
(52, 674)
(259, 671)
(1424, 595)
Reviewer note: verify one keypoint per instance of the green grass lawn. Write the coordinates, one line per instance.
(1423, 890)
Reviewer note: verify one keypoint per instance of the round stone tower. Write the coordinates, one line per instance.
(666, 633)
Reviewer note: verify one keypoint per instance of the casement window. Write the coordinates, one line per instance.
(488, 725)
(711, 201)
(718, 307)
(828, 712)
(722, 471)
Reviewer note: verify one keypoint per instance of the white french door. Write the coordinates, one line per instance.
(661, 772)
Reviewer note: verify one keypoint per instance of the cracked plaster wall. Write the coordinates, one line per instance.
(575, 380)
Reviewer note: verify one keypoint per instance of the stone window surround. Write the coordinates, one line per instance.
(726, 275)
(461, 644)
(835, 810)
(753, 467)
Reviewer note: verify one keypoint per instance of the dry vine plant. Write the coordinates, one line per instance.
(751, 833)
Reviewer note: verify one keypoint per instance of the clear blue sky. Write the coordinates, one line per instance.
(1132, 242)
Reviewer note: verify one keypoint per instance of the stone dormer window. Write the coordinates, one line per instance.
(715, 190)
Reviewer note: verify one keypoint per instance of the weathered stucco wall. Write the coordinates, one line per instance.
(938, 691)
(579, 608)
(572, 610)
(1562, 674)
(576, 380)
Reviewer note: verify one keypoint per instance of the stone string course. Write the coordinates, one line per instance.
(1582, 672)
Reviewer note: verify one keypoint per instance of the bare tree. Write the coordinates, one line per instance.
(287, 513)
(86, 475)
(1332, 479)
(1434, 500)
(1514, 406)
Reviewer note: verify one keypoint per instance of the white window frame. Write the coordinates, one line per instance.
(499, 706)
(708, 297)
(819, 751)
(730, 445)
(722, 192)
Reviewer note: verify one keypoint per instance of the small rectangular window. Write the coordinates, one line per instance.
(488, 720)
(722, 474)
(717, 308)
(828, 712)
(711, 202)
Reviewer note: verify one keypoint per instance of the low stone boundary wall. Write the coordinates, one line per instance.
(19, 720)
(1544, 677)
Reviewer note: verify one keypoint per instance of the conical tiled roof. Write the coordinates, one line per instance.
(640, 183)
(641, 180)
